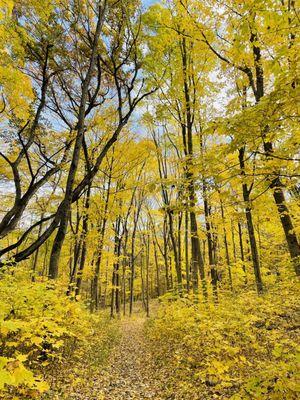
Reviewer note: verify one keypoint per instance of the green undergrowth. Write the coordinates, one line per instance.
(47, 341)
(243, 348)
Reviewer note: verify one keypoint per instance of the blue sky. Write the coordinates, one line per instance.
(148, 3)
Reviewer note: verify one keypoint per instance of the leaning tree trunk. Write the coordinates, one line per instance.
(287, 225)
(63, 212)
(276, 185)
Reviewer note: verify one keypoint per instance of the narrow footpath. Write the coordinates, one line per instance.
(130, 373)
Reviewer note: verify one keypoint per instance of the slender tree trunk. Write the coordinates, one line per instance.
(210, 245)
(116, 270)
(242, 251)
(44, 271)
(179, 225)
(250, 226)
(114, 301)
(175, 251)
(187, 135)
(147, 262)
(142, 280)
(165, 254)
(156, 269)
(186, 243)
(132, 276)
(103, 300)
(233, 241)
(226, 246)
(124, 265)
(76, 253)
(124, 286)
(36, 254)
(95, 280)
(132, 256)
(85, 229)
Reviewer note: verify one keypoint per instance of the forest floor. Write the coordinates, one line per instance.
(130, 372)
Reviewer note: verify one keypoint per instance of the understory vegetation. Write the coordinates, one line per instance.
(244, 348)
(45, 337)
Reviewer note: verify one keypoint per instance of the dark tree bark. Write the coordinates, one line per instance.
(13, 216)
(76, 250)
(226, 245)
(147, 266)
(102, 230)
(187, 121)
(115, 291)
(85, 230)
(233, 241)
(132, 255)
(250, 225)
(64, 210)
(210, 244)
(242, 251)
(275, 183)
(186, 246)
(158, 290)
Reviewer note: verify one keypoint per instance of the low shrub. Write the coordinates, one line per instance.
(41, 329)
(245, 347)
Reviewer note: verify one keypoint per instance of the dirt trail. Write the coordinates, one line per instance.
(131, 371)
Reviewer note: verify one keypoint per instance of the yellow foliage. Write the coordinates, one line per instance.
(244, 347)
(39, 326)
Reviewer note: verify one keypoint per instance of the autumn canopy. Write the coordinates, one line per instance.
(150, 199)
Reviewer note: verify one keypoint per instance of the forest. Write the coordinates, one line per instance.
(150, 199)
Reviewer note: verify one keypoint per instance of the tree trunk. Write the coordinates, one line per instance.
(250, 226)
(156, 269)
(233, 241)
(95, 280)
(165, 254)
(276, 185)
(175, 251)
(83, 241)
(147, 260)
(242, 251)
(76, 252)
(63, 212)
(36, 255)
(187, 136)
(226, 245)
(286, 222)
(132, 256)
(186, 244)
(210, 245)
